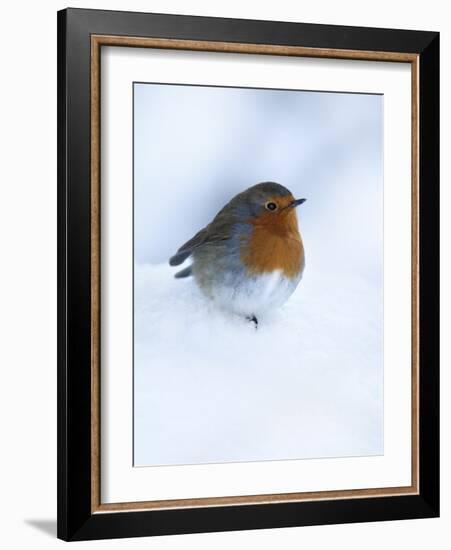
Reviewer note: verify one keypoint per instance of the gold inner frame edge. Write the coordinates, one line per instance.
(97, 41)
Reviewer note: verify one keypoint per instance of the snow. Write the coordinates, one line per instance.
(210, 388)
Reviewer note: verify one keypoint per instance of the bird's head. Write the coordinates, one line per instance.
(268, 204)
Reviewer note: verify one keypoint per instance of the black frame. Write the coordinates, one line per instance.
(75, 520)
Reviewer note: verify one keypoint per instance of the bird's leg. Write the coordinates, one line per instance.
(253, 319)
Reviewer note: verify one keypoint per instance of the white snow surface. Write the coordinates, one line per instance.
(209, 387)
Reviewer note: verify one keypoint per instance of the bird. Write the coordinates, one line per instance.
(250, 258)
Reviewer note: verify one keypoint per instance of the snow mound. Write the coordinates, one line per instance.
(209, 387)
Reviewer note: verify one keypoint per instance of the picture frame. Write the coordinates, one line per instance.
(81, 36)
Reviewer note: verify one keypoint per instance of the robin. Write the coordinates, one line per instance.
(250, 258)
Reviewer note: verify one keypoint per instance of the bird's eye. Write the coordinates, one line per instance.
(271, 206)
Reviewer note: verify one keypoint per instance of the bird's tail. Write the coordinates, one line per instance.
(187, 272)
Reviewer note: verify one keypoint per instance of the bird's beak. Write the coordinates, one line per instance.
(296, 202)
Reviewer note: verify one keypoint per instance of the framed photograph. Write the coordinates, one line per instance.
(248, 274)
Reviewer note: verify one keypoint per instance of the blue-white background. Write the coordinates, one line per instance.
(309, 382)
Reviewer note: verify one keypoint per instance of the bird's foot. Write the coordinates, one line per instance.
(253, 319)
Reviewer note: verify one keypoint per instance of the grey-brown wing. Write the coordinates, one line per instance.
(185, 250)
(218, 230)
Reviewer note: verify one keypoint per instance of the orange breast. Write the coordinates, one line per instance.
(275, 246)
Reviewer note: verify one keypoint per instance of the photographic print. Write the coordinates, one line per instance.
(258, 274)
